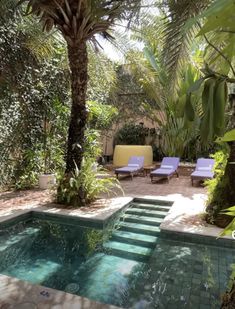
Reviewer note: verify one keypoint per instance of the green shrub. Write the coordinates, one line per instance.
(131, 134)
(85, 185)
(215, 186)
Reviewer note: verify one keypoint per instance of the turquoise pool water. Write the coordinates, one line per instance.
(170, 274)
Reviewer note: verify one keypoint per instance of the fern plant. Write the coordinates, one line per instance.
(93, 180)
(230, 228)
(220, 189)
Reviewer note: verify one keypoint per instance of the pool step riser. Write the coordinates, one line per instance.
(24, 240)
(139, 231)
(151, 208)
(132, 241)
(152, 202)
(145, 213)
(141, 221)
(128, 255)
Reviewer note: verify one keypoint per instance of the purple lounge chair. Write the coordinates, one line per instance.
(135, 165)
(204, 170)
(168, 168)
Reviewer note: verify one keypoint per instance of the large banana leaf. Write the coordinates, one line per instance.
(228, 137)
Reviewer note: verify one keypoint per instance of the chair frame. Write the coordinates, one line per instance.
(200, 177)
(166, 176)
(130, 173)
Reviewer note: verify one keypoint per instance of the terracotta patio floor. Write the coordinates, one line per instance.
(139, 186)
(143, 186)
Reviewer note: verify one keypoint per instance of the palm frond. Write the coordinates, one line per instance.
(7, 9)
(81, 20)
(178, 40)
(39, 43)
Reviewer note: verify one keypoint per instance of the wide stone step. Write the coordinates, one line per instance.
(153, 202)
(135, 238)
(142, 219)
(150, 206)
(128, 251)
(139, 228)
(146, 212)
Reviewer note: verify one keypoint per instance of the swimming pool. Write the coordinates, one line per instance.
(131, 266)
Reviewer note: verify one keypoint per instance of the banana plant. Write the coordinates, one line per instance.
(230, 229)
(214, 102)
(177, 130)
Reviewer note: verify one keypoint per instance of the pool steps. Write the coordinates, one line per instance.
(135, 238)
(151, 206)
(137, 231)
(142, 219)
(150, 213)
(139, 228)
(134, 252)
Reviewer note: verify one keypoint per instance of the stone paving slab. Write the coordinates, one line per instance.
(100, 211)
(17, 294)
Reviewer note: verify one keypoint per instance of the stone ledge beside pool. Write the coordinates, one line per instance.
(186, 217)
(17, 294)
(100, 211)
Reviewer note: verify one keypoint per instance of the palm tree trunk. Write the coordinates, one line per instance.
(78, 62)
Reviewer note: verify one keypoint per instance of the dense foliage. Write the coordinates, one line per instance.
(131, 134)
(177, 114)
(34, 101)
(33, 97)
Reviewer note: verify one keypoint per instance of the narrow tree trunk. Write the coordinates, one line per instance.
(78, 62)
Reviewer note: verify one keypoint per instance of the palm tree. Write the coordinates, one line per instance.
(80, 21)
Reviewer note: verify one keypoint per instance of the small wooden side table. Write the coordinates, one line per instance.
(148, 169)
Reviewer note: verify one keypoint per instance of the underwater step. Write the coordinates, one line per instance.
(150, 206)
(135, 238)
(142, 219)
(25, 237)
(139, 228)
(145, 212)
(137, 253)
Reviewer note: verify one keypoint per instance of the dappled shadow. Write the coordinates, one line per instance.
(195, 219)
(142, 186)
(20, 199)
(15, 292)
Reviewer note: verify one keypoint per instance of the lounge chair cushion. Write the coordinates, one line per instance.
(163, 171)
(202, 174)
(127, 169)
(133, 165)
(167, 166)
(205, 168)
